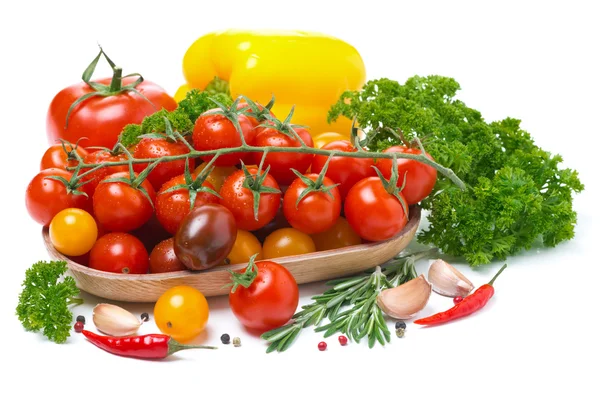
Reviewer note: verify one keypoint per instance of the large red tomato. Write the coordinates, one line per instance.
(157, 148)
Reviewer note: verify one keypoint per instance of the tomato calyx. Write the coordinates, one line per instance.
(391, 185)
(116, 86)
(254, 183)
(231, 113)
(73, 184)
(259, 112)
(285, 126)
(316, 185)
(169, 134)
(71, 152)
(246, 278)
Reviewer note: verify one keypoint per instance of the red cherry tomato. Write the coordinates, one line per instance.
(46, 197)
(120, 207)
(173, 206)
(344, 170)
(213, 132)
(245, 107)
(101, 119)
(420, 178)
(317, 211)
(163, 258)
(120, 253)
(100, 157)
(56, 157)
(282, 162)
(156, 148)
(239, 200)
(372, 212)
(270, 300)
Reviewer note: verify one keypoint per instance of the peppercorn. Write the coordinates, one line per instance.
(400, 332)
(78, 326)
(237, 342)
(145, 317)
(343, 340)
(81, 318)
(225, 338)
(322, 346)
(400, 325)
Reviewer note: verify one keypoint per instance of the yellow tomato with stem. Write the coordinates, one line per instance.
(322, 139)
(217, 176)
(339, 235)
(73, 232)
(246, 245)
(287, 242)
(181, 312)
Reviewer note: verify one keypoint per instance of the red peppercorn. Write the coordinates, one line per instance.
(78, 326)
(457, 299)
(343, 340)
(322, 346)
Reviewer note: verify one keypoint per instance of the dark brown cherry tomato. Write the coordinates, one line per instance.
(120, 253)
(205, 237)
(164, 259)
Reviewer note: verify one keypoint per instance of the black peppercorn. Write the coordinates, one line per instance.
(400, 325)
(81, 318)
(145, 317)
(225, 338)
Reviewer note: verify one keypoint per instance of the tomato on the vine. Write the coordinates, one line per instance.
(118, 206)
(164, 259)
(240, 200)
(56, 157)
(181, 312)
(244, 106)
(100, 157)
(373, 212)
(339, 235)
(269, 301)
(45, 197)
(246, 245)
(344, 170)
(73, 232)
(420, 178)
(120, 253)
(157, 148)
(286, 242)
(318, 210)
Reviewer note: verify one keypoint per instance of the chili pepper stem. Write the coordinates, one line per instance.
(175, 346)
(115, 83)
(497, 274)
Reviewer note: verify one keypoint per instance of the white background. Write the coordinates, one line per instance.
(537, 62)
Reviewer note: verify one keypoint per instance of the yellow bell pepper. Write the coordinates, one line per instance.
(305, 69)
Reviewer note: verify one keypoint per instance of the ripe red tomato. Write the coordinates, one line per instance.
(240, 202)
(246, 107)
(213, 132)
(269, 302)
(99, 157)
(344, 170)
(420, 178)
(372, 212)
(101, 119)
(120, 207)
(282, 162)
(46, 197)
(120, 253)
(163, 258)
(172, 207)
(317, 211)
(156, 148)
(55, 156)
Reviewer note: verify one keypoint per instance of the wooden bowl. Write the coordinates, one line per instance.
(322, 265)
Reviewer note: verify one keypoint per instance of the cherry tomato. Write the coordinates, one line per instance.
(213, 132)
(56, 157)
(218, 175)
(344, 170)
(317, 211)
(120, 207)
(246, 245)
(270, 300)
(172, 207)
(156, 148)
(100, 157)
(420, 178)
(151, 233)
(372, 212)
(163, 258)
(101, 119)
(120, 253)
(240, 201)
(181, 312)
(73, 232)
(45, 197)
(322, 139)
(282, 162)
(244, 106)
(205, 237)
(287, 242)
(276, 223)
(339, 235)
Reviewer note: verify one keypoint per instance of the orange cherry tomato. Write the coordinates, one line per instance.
(339, 235)
(246, 245)
(287, 242)
(181, 312)
(322, 139)
(217, 176)
(73, 232)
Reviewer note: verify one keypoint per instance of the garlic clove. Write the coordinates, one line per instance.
(447, 280)
(406, 300)
(114, 320)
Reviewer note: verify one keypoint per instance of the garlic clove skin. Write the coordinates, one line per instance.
(447, 280)
(114, 320)
(406, 300)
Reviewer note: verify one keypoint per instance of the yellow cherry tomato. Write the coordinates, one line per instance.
(181, 92)
(217, 176)
(287, 242)
(181, 312)
(322, 139)
(339, 235)
(73, 232)
(246, 245)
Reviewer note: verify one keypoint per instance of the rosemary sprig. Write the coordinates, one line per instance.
(357, 295)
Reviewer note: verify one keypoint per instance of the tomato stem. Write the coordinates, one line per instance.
(117, 78)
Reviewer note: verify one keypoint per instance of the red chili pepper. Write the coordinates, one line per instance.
(468, 305)
(147, 346)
